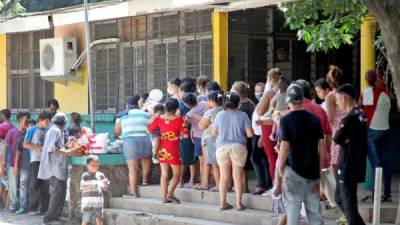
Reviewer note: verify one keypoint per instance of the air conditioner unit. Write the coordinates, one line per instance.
(57, 57)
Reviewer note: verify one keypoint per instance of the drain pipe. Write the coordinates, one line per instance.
(377, 196)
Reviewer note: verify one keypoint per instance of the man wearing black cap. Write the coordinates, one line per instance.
(352, 137)
(53, 167)
(302, 141)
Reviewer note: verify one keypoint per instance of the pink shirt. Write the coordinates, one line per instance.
(4, 128)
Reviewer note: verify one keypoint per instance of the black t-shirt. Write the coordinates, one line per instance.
(352, 138)
(303, 131)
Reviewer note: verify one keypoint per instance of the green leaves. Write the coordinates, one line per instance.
(11, 8)
(324, 24)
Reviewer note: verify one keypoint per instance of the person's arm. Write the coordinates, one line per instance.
(328, 142)
(204, 123)
(6, 148)
(264, 103)
(321, 150)
(331, 107)
(194, 117)
(153, 125)
(249, 132)
(16, 163)
(33, 147)
(283, 156)
(117, 129)
(342, 135)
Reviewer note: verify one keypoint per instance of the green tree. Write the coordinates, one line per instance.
(327, 24)
(10, 7)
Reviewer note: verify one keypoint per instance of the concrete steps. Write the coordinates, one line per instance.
(132, 217)
(388, 212)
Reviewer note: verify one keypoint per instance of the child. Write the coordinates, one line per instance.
(278, 103)
(22, 164)
(75, 141)
(93, 183)
(170, 127)
(158, 111)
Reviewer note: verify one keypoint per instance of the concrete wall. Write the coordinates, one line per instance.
(73, 97)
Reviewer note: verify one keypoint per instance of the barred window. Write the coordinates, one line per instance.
(27, 90)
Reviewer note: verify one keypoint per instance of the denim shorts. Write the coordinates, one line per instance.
(88, 216)
(137, 147)
(211, 150)
(186, 151)
(198, 151)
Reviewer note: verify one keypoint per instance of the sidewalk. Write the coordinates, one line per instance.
(7, 218)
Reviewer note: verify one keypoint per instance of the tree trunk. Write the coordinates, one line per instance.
(387, 15)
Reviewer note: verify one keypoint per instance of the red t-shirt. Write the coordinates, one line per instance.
(370, 109)
(170, 136)
(4, 128)
(318, 111)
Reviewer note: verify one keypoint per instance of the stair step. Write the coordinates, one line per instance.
(207, 197)
(134, 217)
(195, 210)
(388, 212)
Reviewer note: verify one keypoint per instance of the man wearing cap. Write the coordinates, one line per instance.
(302, 141)
(352, 138)
(53, 167)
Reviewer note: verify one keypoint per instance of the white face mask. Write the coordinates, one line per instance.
(258, 95)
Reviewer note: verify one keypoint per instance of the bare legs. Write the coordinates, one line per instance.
(176, 176)
(133, 167)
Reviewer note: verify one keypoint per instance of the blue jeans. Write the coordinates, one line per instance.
(300, 190)
(378, 155)
(24, 179)
(14, 183)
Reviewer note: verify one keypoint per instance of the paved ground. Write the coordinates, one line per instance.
(11, 219)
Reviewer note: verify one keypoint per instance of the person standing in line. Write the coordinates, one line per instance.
(38, 189)
(352, 137)
(201, 84)
(322, 89)
(5, 124)
(300, 156)
(52, 106)
(8, 157)
(231, 127)
(170, 127)
(137, 145)
(263, 111)
(335, 79)
(247, 106)
(53, 168)
(327, 184)
(197, 110)
(215, 101)
(375, 102)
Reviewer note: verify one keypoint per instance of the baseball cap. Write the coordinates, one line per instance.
(294, 94)
(349, 90)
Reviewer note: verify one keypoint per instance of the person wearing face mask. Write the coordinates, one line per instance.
(259, 90)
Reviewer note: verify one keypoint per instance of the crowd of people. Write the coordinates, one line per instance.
(303, 148)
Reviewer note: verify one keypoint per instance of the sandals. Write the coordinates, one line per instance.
(226, 207)
(145, 184)
(214, 189)
(240, 208)
(188, 185)
(387, 199)
(173, 199)
(166, 201)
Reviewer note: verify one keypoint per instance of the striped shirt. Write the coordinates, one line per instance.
(92, 191)
(135, 123)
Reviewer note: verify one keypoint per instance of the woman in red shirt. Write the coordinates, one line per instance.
(171, 127)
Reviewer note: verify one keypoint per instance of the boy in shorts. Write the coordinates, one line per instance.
(93, 183)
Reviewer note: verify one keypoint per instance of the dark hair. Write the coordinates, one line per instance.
(190, 99)
(190, 80)
(21, 115)
(202, 81)
(76, 118)
(54, 102)
(371, 76)
(187, 87)
(232, 100)
(133, 100)
(213, 86)
(175, 81)
(91, 158)
(217, 97)
(74, 130)
(171, 105)
(349, 90)
(144, 96)
(6, 113)
(305, 86)
(335, 76)
(283, 84)
(159, 108)
(32, 122)
(322, 83)
(45, 115)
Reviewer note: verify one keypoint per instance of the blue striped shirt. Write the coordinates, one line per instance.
(135, 123)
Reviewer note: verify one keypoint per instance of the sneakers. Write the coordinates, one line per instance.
(269, 192)
(21, 211)
(13, 211)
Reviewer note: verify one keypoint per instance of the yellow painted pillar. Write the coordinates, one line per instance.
(220, 48)
(3, 71)
(367, 47)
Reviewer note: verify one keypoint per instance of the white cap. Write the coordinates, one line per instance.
(156, 95)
